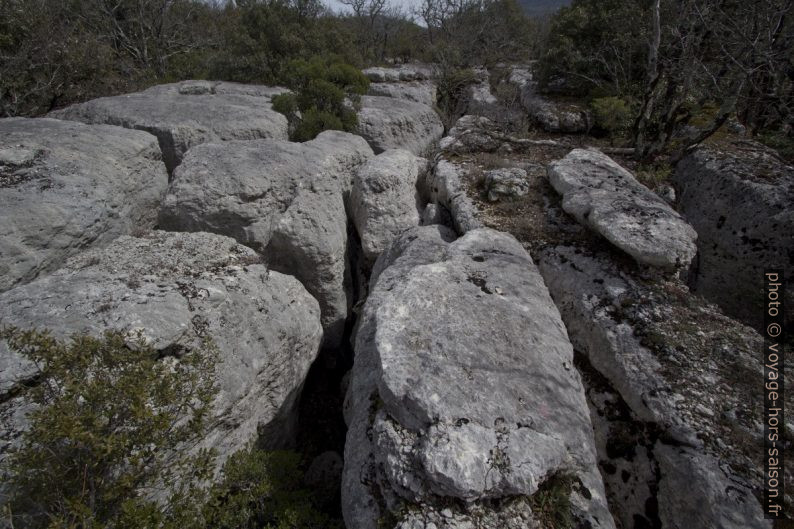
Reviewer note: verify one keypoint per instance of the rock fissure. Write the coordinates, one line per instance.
(469, 340)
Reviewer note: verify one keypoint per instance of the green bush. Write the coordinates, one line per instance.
(325, 94)
(612, 114)
(264, 489)
(596, 44)
(451, 99)
(783, 143)
(108, 430)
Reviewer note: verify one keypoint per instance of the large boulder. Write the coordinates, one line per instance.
(419, 91)
(388, 123)
(674, 388)
(606, 197)
(384, 199)
(67, 186)
(463, 403)
(177, 289)
(739, 200)
(189, 113)
(285, 200)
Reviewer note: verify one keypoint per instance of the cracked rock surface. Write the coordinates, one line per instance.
(739, 200)
(389, 123)
(680, 382)
(285, 200)
(66, 186)
(418, 91)
(384, 199)
(188, 113)
(178, 288)
(463, 389)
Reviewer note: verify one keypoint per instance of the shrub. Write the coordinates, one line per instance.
(452, 84)
(109, 429)
(783, 143)
(612, 114)
(551, 504)
(326, 92)
(264, 489)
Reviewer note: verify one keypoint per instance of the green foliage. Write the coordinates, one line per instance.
(654, 174)
(612, 114)
(259, 39)
(597, 44)
(110, 426)
(783, 143)
(551, 504)
(326, 91)
(451, 100)
(263, 489)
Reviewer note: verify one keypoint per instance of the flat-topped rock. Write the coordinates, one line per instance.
(463, 392)
(419, 91)
(388, 123)
(285, 200)
(384, 199)
(189, 113)
(178, 288)
(739, 199)
(606, 197)
(66, 186)
(403, 72)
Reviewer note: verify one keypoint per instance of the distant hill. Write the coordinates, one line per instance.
(542, 7)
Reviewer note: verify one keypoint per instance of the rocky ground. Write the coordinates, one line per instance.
(500, 328)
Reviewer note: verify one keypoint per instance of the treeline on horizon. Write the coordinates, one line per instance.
(56, 52)
(656, 67)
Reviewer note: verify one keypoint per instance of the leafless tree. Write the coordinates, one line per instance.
(728, 53)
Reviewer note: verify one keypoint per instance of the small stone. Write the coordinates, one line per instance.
(506, 184)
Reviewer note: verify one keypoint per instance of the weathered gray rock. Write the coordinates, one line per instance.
(67, 186)
(443, 186)
(677, 412)
(554, 116)
(505, 110)
(480, 100)
(520, 75)
(739, 199)
(388, 123)
(506, 184)
(471, 134)
(463, 389)
(435, 214)
(178, 288)
(607, 198)
(404, 72)
(384, 199)
(189, 113)
(419, 91)
(285, 200)
(718, 501)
